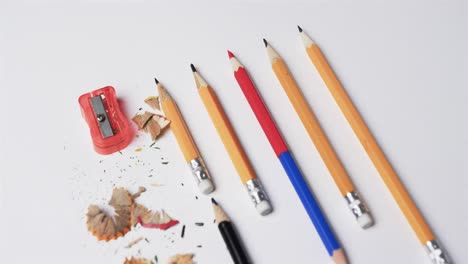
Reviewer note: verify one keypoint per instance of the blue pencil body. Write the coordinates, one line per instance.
(309, 203)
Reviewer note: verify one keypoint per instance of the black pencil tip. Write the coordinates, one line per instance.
(214, 201)
(156, 80)
(193, 68)
(265, 42)
(300, 29)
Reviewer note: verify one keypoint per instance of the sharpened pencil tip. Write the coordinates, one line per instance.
(300, 29)
(156, 80)
(193, 68)
(265, 42)
(230, 54)
(214, 201)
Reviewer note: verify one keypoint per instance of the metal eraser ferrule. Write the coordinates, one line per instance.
(199, 170)
(436, 253)
(256, 191)
(356, 204)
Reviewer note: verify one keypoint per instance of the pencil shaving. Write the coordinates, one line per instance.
(142, 119)
(146, 218)
(141, 190)
(109, 227)
(151, 123)
(134, 260)
(162, 121)
(156, 125)
(153, 129)
(153, 102)
(181, 259)
(134, 242)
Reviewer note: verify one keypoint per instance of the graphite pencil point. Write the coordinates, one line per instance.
(156, 80)
(300, 29)
(265, 42)
(193, 68)
(214, 201)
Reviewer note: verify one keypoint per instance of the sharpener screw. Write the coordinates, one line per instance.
(100, 117)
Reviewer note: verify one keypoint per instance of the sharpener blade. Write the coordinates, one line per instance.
(101, 116)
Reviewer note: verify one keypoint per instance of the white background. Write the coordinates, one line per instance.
(404, 63)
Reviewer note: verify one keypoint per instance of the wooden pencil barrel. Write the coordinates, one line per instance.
(313, 128)
(388, 174)
(180, 130)
(227, 134)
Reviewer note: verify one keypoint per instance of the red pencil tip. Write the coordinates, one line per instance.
(230, 54)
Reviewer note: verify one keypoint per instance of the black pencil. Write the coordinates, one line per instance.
(233, 243)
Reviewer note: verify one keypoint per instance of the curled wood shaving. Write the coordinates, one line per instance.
(108, 227)
(153, 102)
(151, 123)
(142, 119)
(156, 125)
(181, 259)
(162, 121)
(134, 260)
(153, 129)
(141, 190)
(147, 218)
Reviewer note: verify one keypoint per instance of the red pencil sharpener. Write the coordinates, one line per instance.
(108, 126)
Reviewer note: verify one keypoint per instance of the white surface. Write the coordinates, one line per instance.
(403, 63)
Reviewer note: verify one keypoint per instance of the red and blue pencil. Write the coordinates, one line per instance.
(287, 161)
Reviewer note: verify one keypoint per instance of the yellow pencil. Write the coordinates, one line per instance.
(185, 141)
(388, 174)
(232, 145)
(320, 140)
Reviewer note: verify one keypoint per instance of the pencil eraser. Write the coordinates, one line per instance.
(365, 220)
(206, 186)
(264, 207)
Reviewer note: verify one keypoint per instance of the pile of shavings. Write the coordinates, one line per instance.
(151, 123)
(128, 214)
